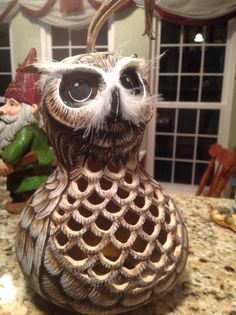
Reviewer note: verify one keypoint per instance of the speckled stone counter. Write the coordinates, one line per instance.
(208, 285)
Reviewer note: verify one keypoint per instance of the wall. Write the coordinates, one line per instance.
(25, 35)
(129, 26)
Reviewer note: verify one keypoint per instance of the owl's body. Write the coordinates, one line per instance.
(100, 236)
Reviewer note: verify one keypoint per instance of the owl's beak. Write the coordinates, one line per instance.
(115, 112)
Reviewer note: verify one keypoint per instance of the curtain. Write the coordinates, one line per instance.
(194, 11)
(78, 13)
(60, 13)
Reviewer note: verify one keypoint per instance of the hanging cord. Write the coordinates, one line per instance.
(108, 8)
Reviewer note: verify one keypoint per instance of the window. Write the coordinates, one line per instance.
(5, 59)
(68, 42)
(190, 79)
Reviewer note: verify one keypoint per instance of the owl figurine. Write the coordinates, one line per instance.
(100, 236)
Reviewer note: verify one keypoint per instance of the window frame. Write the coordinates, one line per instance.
(46, 39)
(225, 106)
(12, 61)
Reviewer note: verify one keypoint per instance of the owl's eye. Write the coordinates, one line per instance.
(80, 91)
(78, 88)
(130, 81)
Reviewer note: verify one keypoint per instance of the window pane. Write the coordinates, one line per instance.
(163, 170)
(102, 36)
(199, 171)
(165, 120)
(5, 59)
(189, 88)
(170, 60)
(211, 89)
(184, 147)
(60, 36)
(191, 59)
(214, 59)
(168, 87)
(164, 146)
(78, 51)
(183, 172)
(216, 33)
(4, 35)
(203, 145)
(190, 33)
(209, 121)
(59, 54)
(78, 37)
(5, 80)
(187, 120)
(100, 49)
(170, 33)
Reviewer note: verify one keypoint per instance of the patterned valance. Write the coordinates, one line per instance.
(78, 13)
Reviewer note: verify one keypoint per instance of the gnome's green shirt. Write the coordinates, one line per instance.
(31, 176)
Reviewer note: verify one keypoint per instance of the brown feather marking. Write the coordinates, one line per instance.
(51, 264)
(51, 290)
(73, 288)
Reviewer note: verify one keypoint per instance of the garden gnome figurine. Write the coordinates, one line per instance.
(25, 155)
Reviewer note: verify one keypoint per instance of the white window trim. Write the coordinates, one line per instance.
(225, 105)
(46, 40)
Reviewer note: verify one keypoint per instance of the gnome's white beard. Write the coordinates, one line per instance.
(11, 125)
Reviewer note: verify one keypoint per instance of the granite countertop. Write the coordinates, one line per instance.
(208, 285)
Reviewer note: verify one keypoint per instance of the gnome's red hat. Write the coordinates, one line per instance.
(23, 88)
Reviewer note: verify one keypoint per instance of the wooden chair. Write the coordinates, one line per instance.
(222, 163)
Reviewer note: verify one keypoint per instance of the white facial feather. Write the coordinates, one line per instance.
(131, 104)
(96, 110)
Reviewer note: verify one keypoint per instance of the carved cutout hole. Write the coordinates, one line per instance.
(142, 186)
(94, 166)
(162, 237)
(91, 239)
(62, 239)
(131, 217)
(61, 212)
(95, 199)
(105, 184)
(70, 199)
(148, 227)
(123, 194)
(139, 201)
(120, 279)
(130, 262)
(76, 253)
(74, 226)
(112, 207)
(139, 245)
(85, 212)
(175, 244)
(103, 223)
(167, 217)
(114, 167)
(156, 256)
(100, 270)
(154, 210)
(111, 252)
(128, 178)
(82, 184)
(122, 234)
(146, 273)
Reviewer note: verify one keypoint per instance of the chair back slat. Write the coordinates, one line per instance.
(223, 161)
